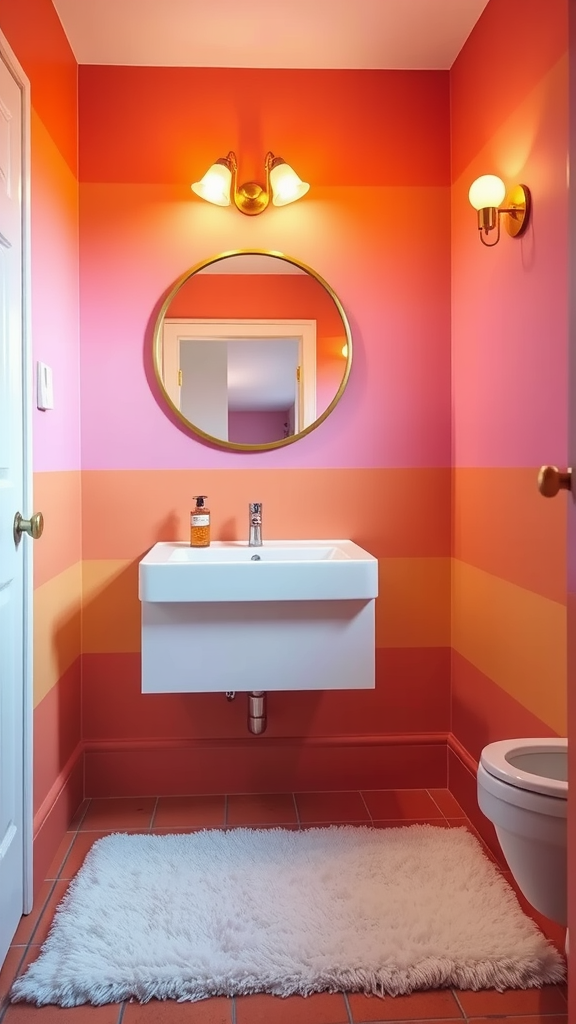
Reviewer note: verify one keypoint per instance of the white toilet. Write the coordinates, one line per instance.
(523, 790)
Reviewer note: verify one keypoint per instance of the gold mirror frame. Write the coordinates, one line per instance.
(158, 342)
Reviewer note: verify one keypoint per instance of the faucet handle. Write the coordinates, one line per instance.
(255, 512)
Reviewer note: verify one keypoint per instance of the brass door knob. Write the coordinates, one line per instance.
(33, 526)
(551, 480)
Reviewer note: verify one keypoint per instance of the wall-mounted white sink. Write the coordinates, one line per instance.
(279, 570)
(298, 617)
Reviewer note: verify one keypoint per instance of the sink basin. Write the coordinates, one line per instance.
(280, 570)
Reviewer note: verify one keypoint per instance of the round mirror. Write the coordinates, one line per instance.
(252, 349)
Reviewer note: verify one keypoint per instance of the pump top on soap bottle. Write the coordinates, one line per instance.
(200, 523)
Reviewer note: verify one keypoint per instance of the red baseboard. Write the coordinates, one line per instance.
(261, 764)
(56, 812)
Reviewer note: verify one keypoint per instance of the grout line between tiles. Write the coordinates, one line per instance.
(151, 825)
(298, 822)
(370, 818)
(459, 1004)
(428, 793)
(233, 1010)
(121, 1013)
(348, 1008)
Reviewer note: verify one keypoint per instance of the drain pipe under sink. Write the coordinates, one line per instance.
(256, 711)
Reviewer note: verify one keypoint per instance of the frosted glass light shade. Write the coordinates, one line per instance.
(488, 190)
(215, 185)
(286, 186)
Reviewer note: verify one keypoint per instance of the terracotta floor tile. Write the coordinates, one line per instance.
(447, 803)
(60, 855)
(549, 999)
(331, 807)
(79, 814)
(387, 804)
(322, 1008)
(45, 921)
(119, 813)
(25, 1013)
(405, 823)
(9, 968)
(198, 811)
(29, 921)
(264, 808)
(207, 1011)
(430, 1005)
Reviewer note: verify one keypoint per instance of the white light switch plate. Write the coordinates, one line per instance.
(44, 391)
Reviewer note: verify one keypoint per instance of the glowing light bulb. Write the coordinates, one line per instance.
(285, 184)
(214, 187)
(486, 191)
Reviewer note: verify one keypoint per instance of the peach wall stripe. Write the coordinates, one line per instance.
(413, 609)
(503, 526)
(125, 513)
(515, 637)
(57, 496)
(412, 612)
(56, 628)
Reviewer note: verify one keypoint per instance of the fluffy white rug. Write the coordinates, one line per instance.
(341, 908)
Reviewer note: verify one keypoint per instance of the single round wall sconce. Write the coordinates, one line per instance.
(486, 194)
(220, 185)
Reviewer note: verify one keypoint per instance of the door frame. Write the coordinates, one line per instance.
(21, 79)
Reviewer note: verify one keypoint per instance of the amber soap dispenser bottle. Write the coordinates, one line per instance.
(200, 523)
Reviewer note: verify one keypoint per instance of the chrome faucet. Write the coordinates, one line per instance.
(255, 521)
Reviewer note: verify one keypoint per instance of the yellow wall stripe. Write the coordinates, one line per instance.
(57, 634)
(515, 637)
(413, 609)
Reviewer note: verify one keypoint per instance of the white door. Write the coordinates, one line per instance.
(15, 823)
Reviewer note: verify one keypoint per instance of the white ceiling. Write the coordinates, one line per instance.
(425, 34)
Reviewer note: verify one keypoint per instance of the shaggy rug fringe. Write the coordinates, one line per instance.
(384, 912)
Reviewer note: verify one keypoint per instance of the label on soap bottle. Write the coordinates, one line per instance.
(199, 519)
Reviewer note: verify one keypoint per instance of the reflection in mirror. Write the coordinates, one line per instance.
(252, 349)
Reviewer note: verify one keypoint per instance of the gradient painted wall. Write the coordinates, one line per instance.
(51, 68)
(376, 146)
(509, 386)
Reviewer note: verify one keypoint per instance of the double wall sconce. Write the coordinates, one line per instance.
(486, 194)
(220, 185)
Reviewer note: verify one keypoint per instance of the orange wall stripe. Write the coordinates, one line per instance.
(56, 628)
(126, 512)
(328, 121)
(503, 526)
(515, 637)
(35, 33)
(492, 89)
(413, 611)
(57, 496)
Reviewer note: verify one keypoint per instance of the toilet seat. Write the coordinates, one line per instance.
(507, 760)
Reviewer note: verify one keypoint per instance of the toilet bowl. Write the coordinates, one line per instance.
(523, 790)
